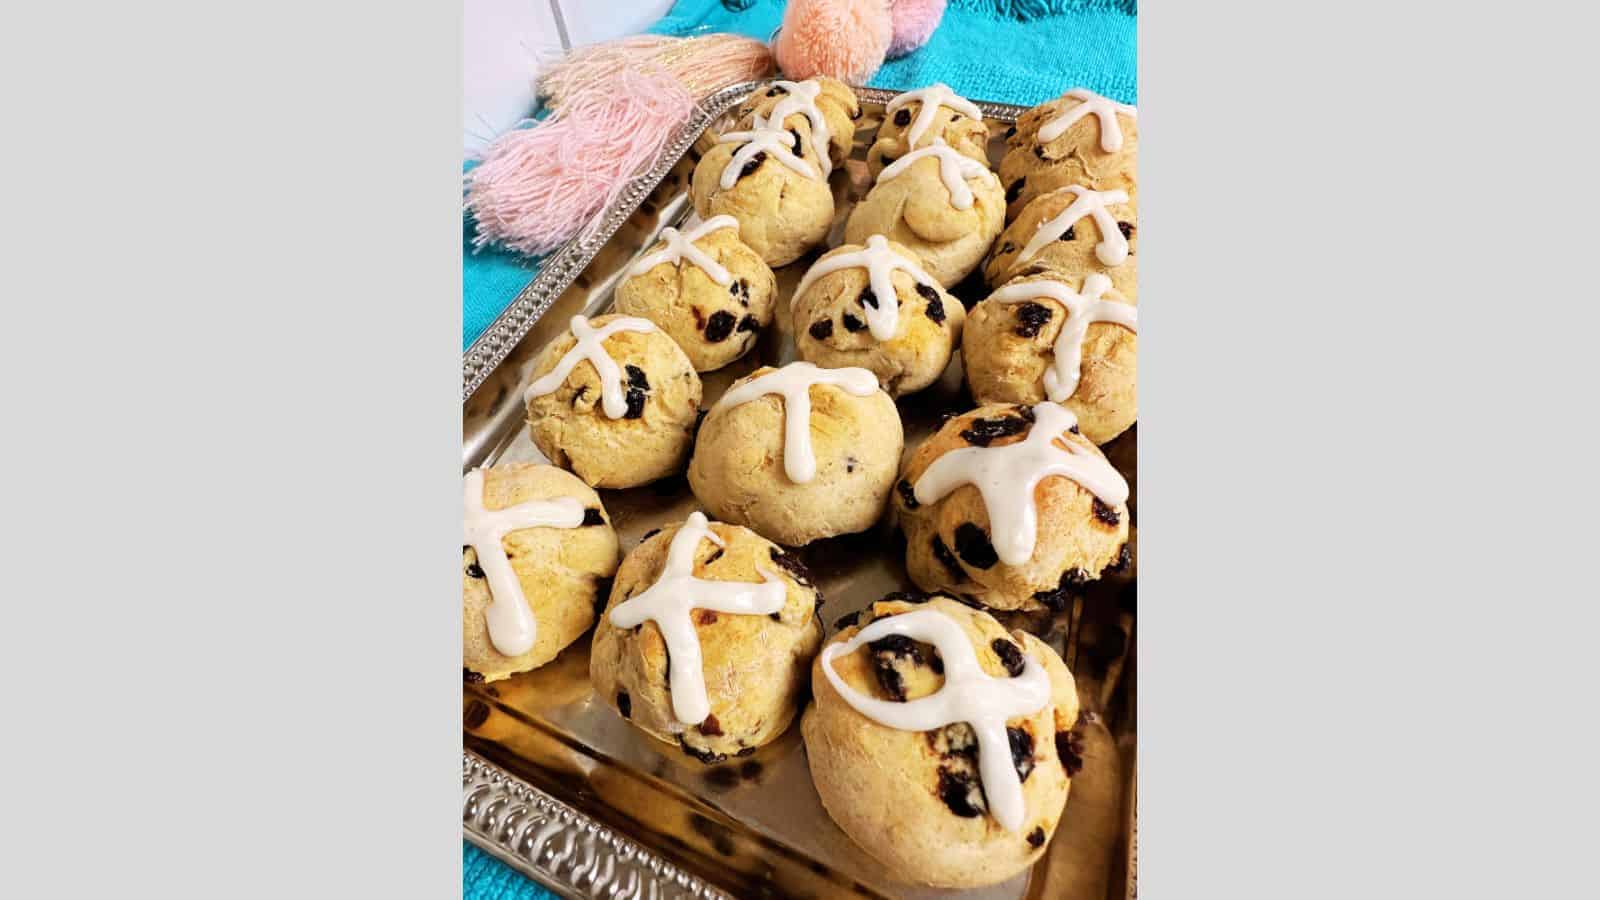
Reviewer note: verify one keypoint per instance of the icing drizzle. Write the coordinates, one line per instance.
(968, 695)
(880, 261)
(675, 595)
(591, 346)
(931, 97)
(511, 624)
(774, 141)
(954, 168)
(1006, 477)
(1113, 247)
(1104, 108)
(680, 246)
(1083, 310)
(793, 382)
(801, 98)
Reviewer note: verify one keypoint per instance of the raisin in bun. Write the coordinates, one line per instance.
(561, 566)
(751, 679)
(774, 184)
(829, 98)
(1072, 340)
(978, 547)
(955, 120)
(1072, 232)
(834, 481)
(1099, 148)
(706, 289)
(942, 206)
(840, 321)
(916, 800)
(627, 423)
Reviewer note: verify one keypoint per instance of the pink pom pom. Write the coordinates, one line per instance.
(914, 22)
(846, 39)
(537, 187)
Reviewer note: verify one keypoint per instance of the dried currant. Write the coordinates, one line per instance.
(908, 494)
(1031, 317)
(754, 163)
(983, 432)
(1105, 513)
(719, 326)
(1010, 655)
(973, 546)
(935, 308)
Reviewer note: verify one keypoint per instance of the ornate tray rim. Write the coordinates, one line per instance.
(499, 809)
(516, 823)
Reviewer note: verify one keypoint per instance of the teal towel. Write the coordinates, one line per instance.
(1009, 51)
(485, 878)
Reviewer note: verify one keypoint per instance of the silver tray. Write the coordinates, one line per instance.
(560, 788)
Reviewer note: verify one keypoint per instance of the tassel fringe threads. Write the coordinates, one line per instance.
(613, 107)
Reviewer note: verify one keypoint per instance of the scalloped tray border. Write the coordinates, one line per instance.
(561, 848)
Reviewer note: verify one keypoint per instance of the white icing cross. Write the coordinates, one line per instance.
(968, 695)
(775, 141)
(793, 382)
(511, 624)
(1006, 477)
(954, 168)
(1083, 310)
(591, 346)
(675, 595)
(1113, 247)
(680, 246)
(1104, 108)
(880, 262)
(802, 98)
(931, 97)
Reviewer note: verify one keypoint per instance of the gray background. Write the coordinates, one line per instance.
(1366, 473)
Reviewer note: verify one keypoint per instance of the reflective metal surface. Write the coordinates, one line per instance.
(752, 826)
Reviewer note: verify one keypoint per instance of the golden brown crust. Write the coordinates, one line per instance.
(837, 103)
(885, 787)
(713, 324)
(565, 573)
(1072, 258)
(570, 427)
(913, 209)
(1079, 538)
(968, 136)
(830, 327)
(1030, 170)
(782, 213)
(738, 466)
(1006, 350)
(754, 666)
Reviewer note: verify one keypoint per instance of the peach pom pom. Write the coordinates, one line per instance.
(846, 39)
(914, 22)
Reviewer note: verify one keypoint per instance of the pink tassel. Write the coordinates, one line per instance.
(614, 105)
(704, 64)
(536, 187)
(846, 39)
(914, 22)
